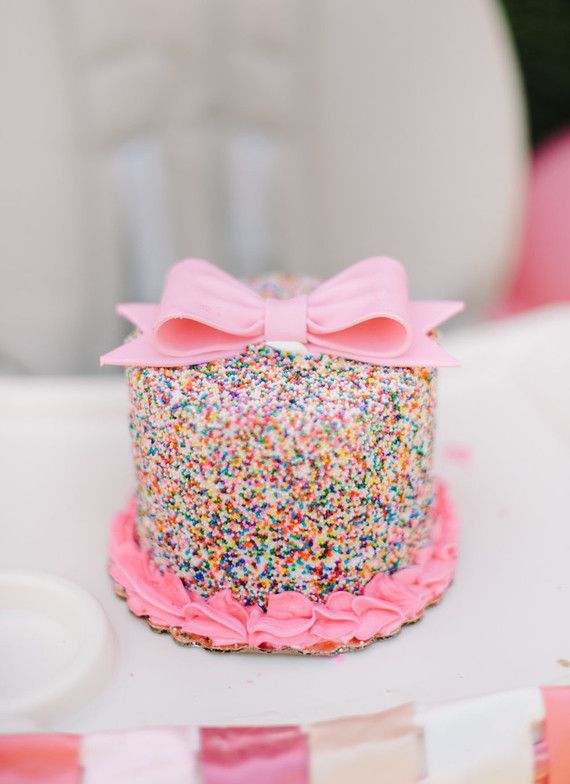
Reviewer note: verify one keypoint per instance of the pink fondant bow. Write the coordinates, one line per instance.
(363, 313)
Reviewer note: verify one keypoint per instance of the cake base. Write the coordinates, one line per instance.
(292, 623)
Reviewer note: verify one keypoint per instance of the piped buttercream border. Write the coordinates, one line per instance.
(291, 622)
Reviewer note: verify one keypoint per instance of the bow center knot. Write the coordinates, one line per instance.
(286, 319)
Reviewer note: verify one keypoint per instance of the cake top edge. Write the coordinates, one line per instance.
(363, 313)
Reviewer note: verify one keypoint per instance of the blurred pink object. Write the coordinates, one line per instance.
(543, 270)
(458, 453)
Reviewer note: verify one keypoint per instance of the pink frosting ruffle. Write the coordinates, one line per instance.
(386, 603)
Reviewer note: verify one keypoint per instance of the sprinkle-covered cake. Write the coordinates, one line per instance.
(282, 435)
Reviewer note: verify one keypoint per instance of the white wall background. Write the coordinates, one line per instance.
(262, 134)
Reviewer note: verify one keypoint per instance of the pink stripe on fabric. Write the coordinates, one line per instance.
(41, 759)
(540, 762)
(383, 747)
(150, 755)
(557, 733)
(254, 755)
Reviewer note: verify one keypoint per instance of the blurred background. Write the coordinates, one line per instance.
(299, 135)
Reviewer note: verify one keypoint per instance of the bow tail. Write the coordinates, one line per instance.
(139, 352)
(428, 315)
(135, 352)
(142, 314)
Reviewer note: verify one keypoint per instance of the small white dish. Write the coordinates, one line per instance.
(56, 645)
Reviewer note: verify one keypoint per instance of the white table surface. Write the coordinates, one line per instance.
(503, 446)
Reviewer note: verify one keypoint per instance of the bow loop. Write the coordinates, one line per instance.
(364, 309)
(204, 309)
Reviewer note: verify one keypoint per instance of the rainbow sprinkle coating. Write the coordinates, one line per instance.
(275, 471)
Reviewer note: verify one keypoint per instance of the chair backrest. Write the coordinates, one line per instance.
(261, 134)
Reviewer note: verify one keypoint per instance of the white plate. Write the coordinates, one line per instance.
(56, 645)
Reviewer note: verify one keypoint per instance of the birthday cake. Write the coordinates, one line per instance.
(282, 434)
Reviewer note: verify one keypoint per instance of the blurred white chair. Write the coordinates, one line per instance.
(260, 134)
